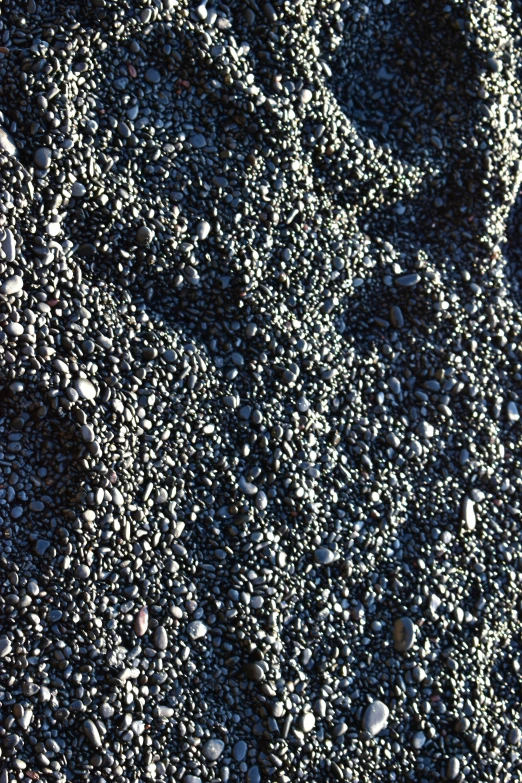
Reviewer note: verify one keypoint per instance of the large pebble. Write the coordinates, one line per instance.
(467, 514)
(141, 621)
(85, 388)
(43, 157)
(9, 246)
(12, 285)
(6, 144)
(403, 634)
(212, 749)
(375, 718)
(91, 732)
(196, 629)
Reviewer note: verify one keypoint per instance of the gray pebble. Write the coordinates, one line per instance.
(403, 634)
(375, 718)
(12, 285)
(324, 556)
(452, 768)
(212, 749)
(239, 750)
(197, 629)
(161, 640)
(43, 157)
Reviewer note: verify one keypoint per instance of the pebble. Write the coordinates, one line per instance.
(197, 629)
(6, 143)
(239, 750)
(452, 768)
(324, 556)
(152, 76)
(85, 388)
(13, 285)
(161, 640)
(91, 732)
(9, 246)
(5, 647)
(307, 722)
(375, 718)
(141, 621)
(43, 157)
(468, 517)
(404, 632)
(212, 749)
(407, 281)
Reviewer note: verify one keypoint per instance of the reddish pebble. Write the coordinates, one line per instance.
(141, 621)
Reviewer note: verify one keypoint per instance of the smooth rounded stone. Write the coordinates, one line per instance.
(198, 141)
(12, 285)
(24, 721)
(87, 433)
(14, 329)
(306, 95)
(54, 616)
(152, 76)
(253, 775)
(203, 229)
(212, 749)
(144, 236)
(9, 246)
(43, 157)
(163, 712)
(106, 711)
(91, 732)
(467, 514)
(425, 430)
(78, 190)
(452, 768)
(239, 750)
(419, 740)
(254, 672)
(192, 779)
(512, 411)
(141, 621)
(261, 501)
(5, 646)
(307, 722)
(17, 512)
(85, 389)
(246, 486)
(196, 629)
(324, 556)
(41, 547)
(404, 631)
(6, 143)
(375, 718)
(396, 317)
(514, 736)
(161, 640)
(394, 385)
(407, 281)
(82, 571)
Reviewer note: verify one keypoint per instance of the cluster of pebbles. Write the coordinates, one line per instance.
(260, 372)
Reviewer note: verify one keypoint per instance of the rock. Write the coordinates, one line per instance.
(161, 640)
(239, 750)
(467, 514)
(91, 732)
(452, 768)
(307, 722)
(212, 749)
(7, 144)
(43, 157)
(5, 647)
(324, 556)
(375, 718)
(12, 285)
(197, 629)
(85, 388)
(403, 634)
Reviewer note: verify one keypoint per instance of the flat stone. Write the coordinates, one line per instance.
(85, 388)
(43, 157)
(324, 556)
(239, 750)
(407, 281)
(197, 629)
(12, 285)
(6, 143)
(403, 634)
(212, 749)
(375, 718)
(152, 76)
